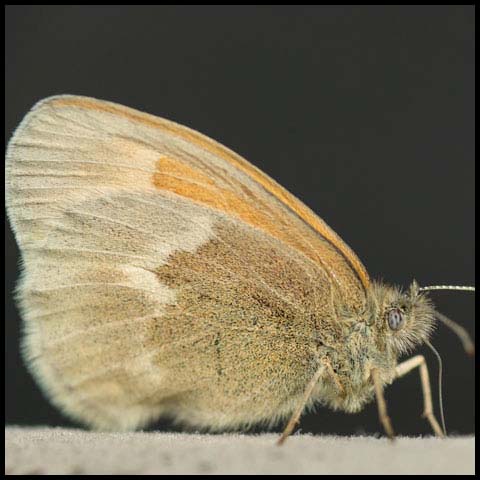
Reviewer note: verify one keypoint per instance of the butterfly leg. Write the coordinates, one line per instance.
(382, 405)
(294, 419)
(406, 367)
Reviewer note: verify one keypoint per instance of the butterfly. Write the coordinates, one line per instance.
(165, 275)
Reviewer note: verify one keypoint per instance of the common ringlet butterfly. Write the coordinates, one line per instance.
(164, 275)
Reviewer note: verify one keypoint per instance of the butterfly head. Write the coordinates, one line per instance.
(404, 319)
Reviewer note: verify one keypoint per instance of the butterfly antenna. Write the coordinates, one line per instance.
(440, 393)
(462, 334)
(464, 288)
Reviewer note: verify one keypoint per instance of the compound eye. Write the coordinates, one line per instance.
(396, 319)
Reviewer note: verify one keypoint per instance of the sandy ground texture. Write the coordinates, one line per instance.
(68, 451)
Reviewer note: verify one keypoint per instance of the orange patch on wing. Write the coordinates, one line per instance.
(175, 176)
(231, 157)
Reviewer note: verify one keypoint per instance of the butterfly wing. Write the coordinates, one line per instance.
(163, 273)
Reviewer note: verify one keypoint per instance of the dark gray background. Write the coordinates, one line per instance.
(365, 113)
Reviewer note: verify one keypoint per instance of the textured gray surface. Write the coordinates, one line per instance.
(64, 451)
